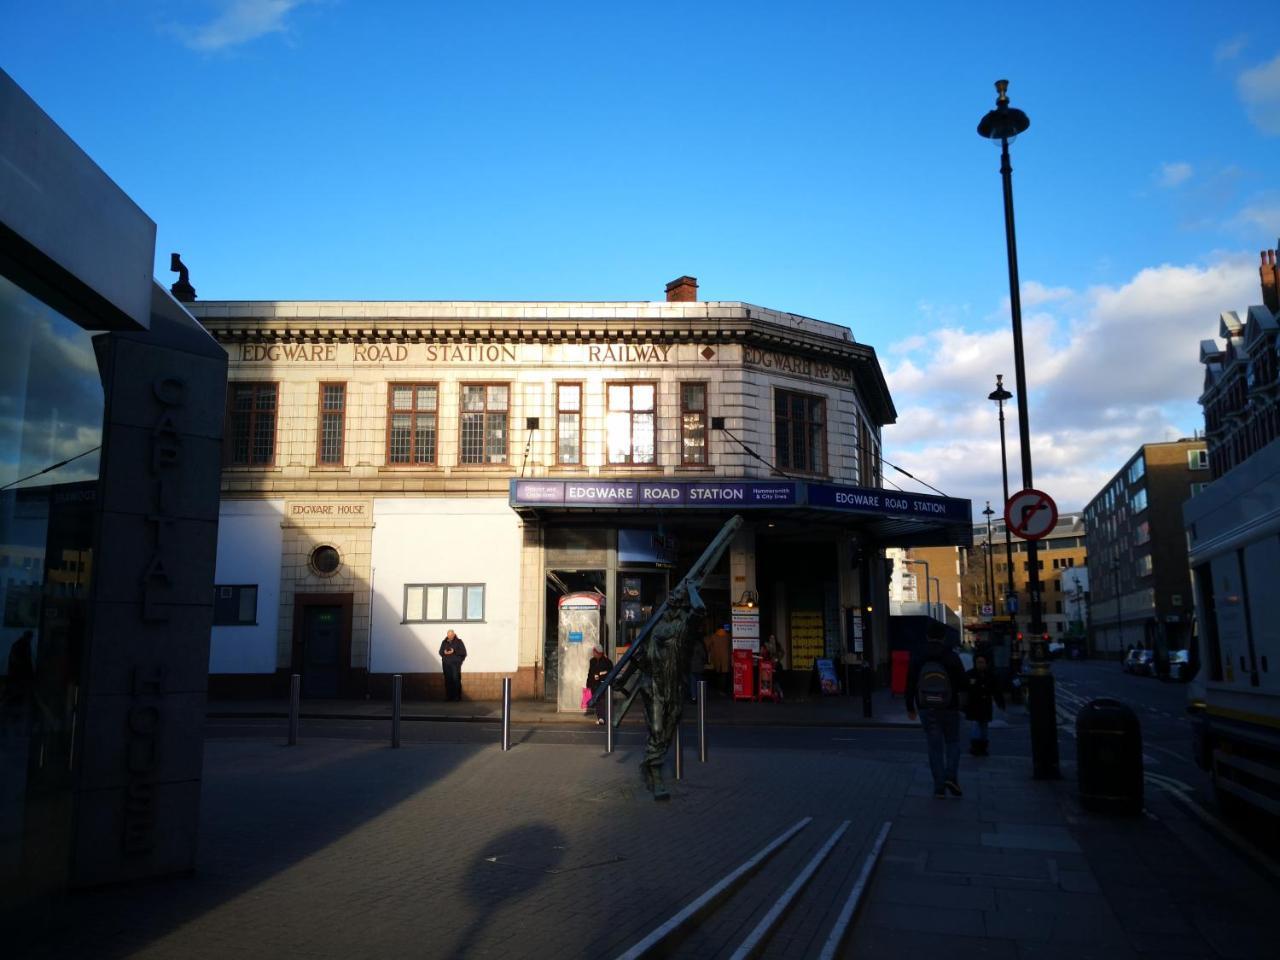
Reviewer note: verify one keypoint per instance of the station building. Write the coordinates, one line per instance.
(396, 469)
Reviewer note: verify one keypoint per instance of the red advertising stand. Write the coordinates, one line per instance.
(767, 692)
(898, 672)
(743, 679)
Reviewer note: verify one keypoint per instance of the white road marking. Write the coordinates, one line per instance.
(748, 946)
(725, 883)
(851, 904)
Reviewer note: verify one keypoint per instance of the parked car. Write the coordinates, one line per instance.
(1056, 649)
(1138, 662)
(1179, 666)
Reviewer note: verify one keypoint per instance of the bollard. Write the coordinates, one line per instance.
(702, 721)
(867, 678)
(506, 713)
(679, 745)
(397, 683)
(295, 701)
(608, 719)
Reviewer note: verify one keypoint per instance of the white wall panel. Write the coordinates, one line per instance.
(437, 541)
(249, 548)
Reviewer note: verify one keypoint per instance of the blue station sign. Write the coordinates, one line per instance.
(736, 495)
(657, 493)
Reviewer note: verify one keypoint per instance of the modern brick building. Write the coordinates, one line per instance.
(1139, 583)
(396, 469)
(964, 577)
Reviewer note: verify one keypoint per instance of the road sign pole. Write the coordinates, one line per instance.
(1032, 514)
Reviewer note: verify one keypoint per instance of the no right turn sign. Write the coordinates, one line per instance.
(1031, 514)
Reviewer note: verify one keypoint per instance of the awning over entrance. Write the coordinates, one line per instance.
(890, 517)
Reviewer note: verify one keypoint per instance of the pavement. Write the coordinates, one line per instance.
(345, 848)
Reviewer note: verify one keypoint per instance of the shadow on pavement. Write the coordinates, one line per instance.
(265, 810)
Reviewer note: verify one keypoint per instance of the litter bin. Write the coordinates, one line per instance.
(1109, 757)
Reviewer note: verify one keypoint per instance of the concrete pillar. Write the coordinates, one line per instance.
(140, 730)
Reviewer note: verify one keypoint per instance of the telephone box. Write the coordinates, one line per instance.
(581, 615)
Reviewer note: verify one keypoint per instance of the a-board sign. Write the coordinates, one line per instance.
(1031, 514)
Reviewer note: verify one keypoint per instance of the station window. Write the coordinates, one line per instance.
(1198, 459)
(693, 424)
(411, 423)
(800, 431)
(1138, 502)
(1143, 565)
(235, 605)
(251, 423)
(443, 602)
(568, 423)
(483, 424)
(630, 425)
(332, 426)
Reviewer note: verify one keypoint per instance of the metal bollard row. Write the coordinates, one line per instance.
(397, 684)
(506, 713)
(702, 721)
(295, 701)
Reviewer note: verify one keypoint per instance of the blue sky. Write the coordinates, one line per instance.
(813, 157)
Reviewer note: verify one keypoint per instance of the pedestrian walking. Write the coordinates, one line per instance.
(982, 688)
(697, 666)
(935, 682)
(597, 670)
(452, 652)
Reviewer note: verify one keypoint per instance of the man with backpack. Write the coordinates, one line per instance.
(935, 680)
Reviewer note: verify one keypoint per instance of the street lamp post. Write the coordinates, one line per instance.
(1000, 395)
(1004, 123)
(991, 599)
(1115, 568)
(937, 592)
(928, 597)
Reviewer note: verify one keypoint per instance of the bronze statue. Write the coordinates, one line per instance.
(656, 665)
(665, 663)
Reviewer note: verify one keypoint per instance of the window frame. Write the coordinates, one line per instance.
(444, 603)
(704, 418)
(1197, 459)
(582, 393)
(631, 415)
(485, 414)
(414, 386)
(257, 593)
(229, 440)
(784, 462)
(342, 429)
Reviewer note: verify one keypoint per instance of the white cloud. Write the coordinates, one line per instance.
(239, 22)
(1110, 368)
(1173, 174)
(1262, 214)
(1034, 294)
(1259, 88)
(1229, 49)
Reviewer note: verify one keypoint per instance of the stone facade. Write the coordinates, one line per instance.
(559, 390)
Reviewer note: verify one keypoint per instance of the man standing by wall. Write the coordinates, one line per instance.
(452, 653)
(935, 680)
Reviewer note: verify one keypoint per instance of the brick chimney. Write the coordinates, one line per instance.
(1267, 271)
(685, 290)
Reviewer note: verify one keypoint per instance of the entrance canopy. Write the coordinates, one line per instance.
(890, 517)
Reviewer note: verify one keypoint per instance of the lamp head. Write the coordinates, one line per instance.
(1004, 122)
(1000, 394)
